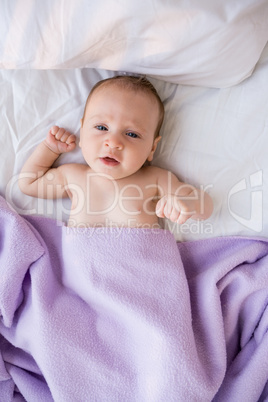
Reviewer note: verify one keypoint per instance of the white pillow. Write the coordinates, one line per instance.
(205, 43)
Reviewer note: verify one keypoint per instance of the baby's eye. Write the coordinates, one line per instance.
(101, 128)
(132, 135)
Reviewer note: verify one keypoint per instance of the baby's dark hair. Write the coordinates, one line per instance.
(134, 83)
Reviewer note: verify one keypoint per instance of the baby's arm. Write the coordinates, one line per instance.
(37, 178)
(180, 201)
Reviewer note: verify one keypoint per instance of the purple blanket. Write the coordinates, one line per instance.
(129, 315)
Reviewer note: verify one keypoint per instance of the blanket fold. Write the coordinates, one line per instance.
(112, 314)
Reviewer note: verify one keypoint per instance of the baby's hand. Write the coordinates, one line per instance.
(177, 209)
(59, 140)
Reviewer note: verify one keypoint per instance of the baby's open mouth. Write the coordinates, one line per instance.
(107, 160)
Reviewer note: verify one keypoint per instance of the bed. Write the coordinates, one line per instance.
(178, 314)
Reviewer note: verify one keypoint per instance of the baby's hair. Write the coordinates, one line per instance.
(134, 83)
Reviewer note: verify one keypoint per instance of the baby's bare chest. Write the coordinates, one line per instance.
(124, 196)
(101, 200)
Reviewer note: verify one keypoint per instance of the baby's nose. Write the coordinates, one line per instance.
(114, 142)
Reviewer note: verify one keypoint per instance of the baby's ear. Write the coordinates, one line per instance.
(151, 154)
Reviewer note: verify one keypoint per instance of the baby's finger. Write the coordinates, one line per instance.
(68, 137)
(168, 207)
(70, 147)
(174, 216)
(159, 209)
(71, 139)
(60, 133)
(64, 136)
(183, 217)
(53, 130)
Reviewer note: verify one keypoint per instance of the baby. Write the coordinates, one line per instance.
(119, 134)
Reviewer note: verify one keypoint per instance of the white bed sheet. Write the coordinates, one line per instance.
(216, 138)
(184, 41)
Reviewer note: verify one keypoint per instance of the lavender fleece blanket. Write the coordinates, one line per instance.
(129, 315)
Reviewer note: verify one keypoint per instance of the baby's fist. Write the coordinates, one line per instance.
(173, 208)
(59, 140)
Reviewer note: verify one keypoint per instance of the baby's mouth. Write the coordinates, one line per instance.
(107, 160)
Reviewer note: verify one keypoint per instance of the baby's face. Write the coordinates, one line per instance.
(117, 135)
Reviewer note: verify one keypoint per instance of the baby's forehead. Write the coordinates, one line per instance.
(109, 87)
